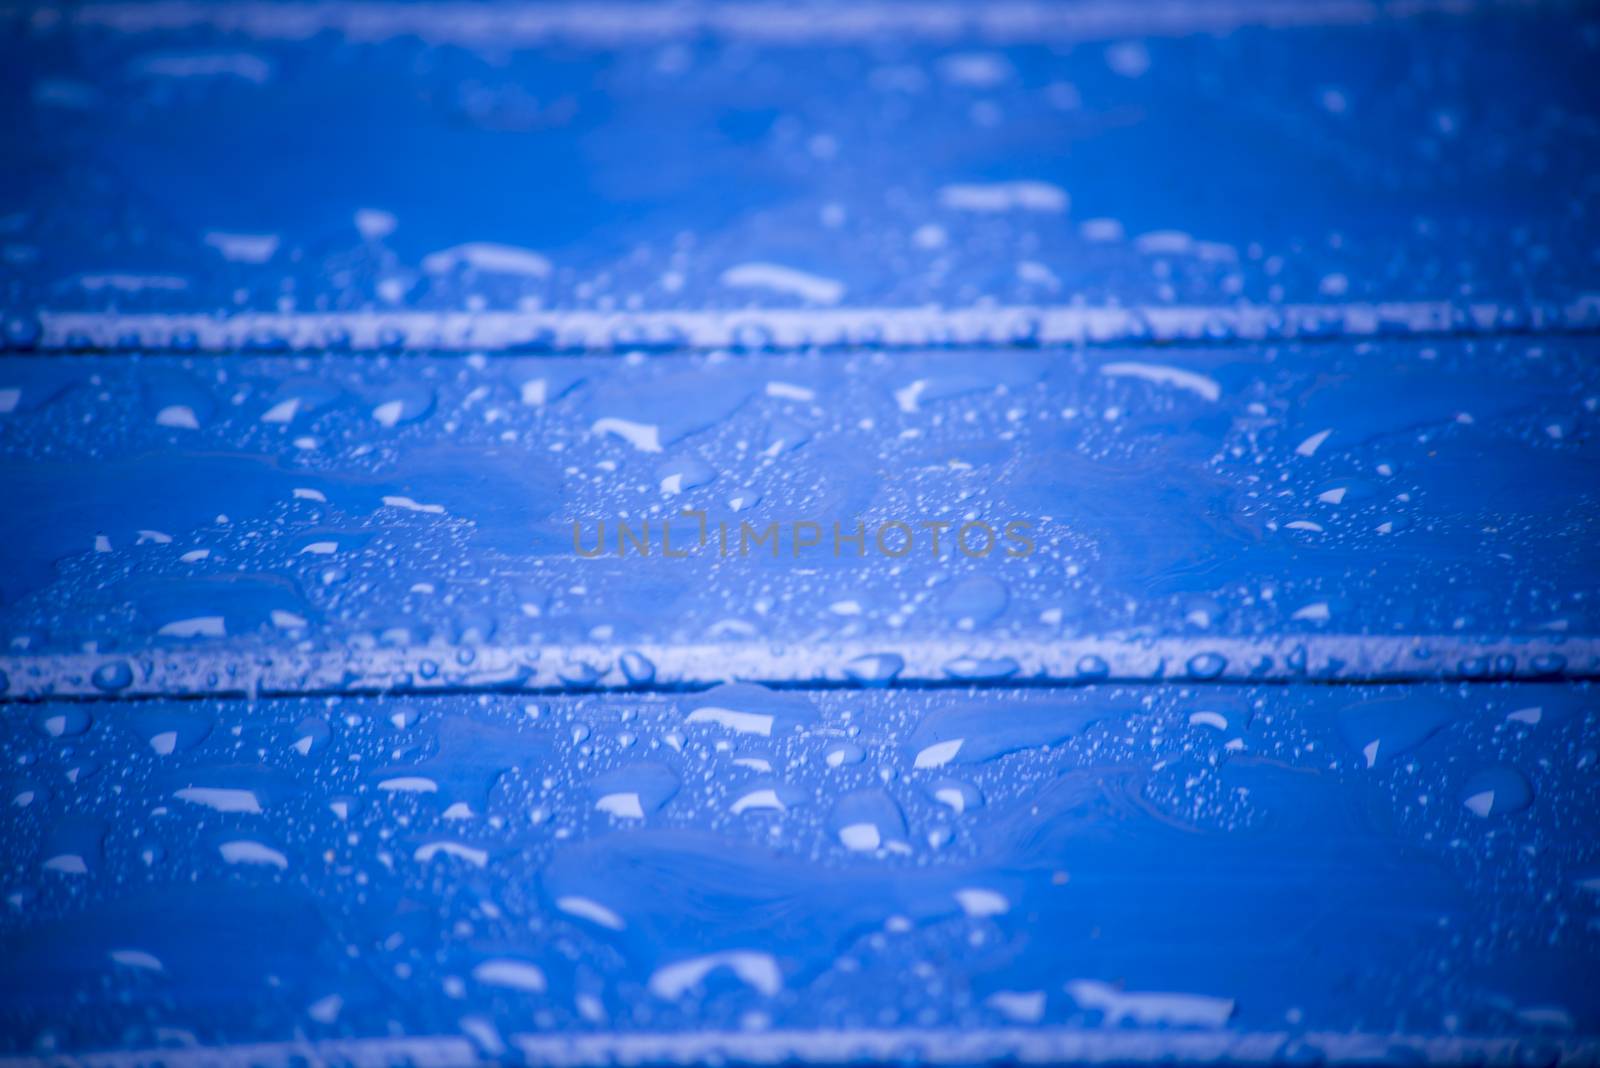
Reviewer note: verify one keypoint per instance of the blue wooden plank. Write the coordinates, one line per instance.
(1149, 873)
(541, 161)
(1322, 510)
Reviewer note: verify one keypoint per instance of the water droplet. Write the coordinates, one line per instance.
(874, 669)
(112, 676)
(637, 668)
(1383, 729)
(982, 668)
(1497, 792)
(867, 820)
(62, 722)
(1090, 666)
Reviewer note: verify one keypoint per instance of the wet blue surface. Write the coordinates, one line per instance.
(1315, 864)
(172, 506)
(161, 158)
(431, 442)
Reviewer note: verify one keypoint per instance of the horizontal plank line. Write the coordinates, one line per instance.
(1007, 685)
(255, 670)
(796, 329)
(500, 25)
(944, 1046)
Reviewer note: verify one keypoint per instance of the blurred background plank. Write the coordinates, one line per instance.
(544, 160)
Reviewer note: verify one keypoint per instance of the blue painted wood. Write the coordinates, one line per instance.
(354, 158)
(1321, 510)
(325, 325)
(1250, 874)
